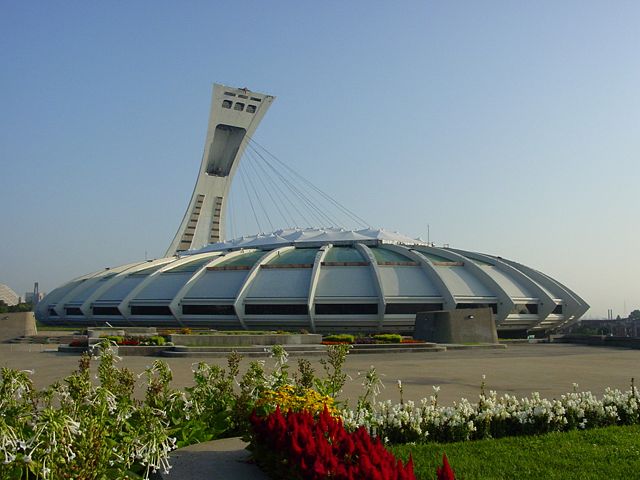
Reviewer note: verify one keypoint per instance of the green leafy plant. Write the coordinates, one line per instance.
(77, 429)
(388, 338)
(335, 378)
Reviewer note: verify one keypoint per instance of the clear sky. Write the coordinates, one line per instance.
(511, 128)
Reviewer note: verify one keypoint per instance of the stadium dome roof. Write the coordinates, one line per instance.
(8, 296)
(318, 279)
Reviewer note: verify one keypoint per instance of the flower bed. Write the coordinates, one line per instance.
(299, 446)
(494, 416)
(288, 398)
(133, 341)
(80, 428)
(378, 339)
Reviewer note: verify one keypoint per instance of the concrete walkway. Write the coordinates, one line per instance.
(224, 459)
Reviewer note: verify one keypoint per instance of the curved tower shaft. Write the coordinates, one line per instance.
(235, 115)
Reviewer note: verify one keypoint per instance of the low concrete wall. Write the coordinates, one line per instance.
(122, 350)
(121, 331)
(96, 335)
(142, 351)
(467, 325)
(600, 340)
(231, 340)
(14, 325)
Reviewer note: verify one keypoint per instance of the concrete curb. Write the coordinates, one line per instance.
(482, 346)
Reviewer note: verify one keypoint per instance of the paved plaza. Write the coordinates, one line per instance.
(550, 369)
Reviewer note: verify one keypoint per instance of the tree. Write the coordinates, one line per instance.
(19, 307)
(635, 315)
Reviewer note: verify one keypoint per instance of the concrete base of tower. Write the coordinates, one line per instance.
(468, 325)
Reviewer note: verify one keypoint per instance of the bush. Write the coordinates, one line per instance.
(340, 337)
(117, 339)
(388, 338)
(157, 340)
(77, 429)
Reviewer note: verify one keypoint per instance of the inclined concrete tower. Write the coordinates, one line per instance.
(235, 115)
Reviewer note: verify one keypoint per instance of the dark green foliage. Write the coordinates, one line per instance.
(20, 307)
(388, 338)
(117, 339)
(157, 340)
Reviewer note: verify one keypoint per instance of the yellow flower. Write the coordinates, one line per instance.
(288, 398)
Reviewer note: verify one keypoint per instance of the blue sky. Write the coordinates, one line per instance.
(511, 128)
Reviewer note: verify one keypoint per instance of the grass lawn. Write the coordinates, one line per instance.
(604, 453)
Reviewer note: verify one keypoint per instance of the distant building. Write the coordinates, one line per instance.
(8, 296)
(621, 327)
(31, 297)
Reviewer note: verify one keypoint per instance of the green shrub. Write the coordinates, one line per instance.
(118, 339)
(388, 338)
(157, 340)
(340, 337)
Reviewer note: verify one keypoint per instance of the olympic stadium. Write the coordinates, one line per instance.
(326, 279)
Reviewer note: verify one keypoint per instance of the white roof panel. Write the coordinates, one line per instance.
(218, 284)
(462, 283)
(121, 289)
(164, 286)
(406, 281)
(346, 282)
(508, 284)
(281, 283)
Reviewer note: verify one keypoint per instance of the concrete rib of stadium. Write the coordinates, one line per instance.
(320, 279)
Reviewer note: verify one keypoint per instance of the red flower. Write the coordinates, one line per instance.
(445, 472)
(321, 448)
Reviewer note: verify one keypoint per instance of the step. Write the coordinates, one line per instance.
(384, 349)
(37, 339)
(374, 346)
(244, 348)
(249, 354)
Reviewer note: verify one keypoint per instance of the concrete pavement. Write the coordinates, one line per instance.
(224, 459)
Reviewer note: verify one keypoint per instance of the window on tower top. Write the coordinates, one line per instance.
(251, 108)
(226, 104)
(238, 106)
